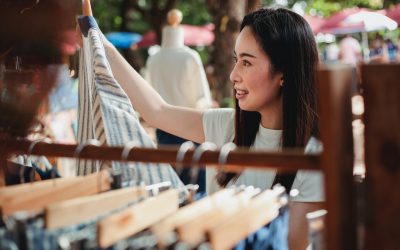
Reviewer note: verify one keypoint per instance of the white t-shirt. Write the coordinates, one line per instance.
(219, 129)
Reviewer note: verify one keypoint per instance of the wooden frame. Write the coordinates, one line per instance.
(336, 160)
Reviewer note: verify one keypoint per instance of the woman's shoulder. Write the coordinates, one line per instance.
(310, 184)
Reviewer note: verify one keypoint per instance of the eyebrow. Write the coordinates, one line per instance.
(244, 54)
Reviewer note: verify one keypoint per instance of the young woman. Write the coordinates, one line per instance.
(274, 84)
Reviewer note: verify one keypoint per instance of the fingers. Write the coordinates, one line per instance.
(87, 8)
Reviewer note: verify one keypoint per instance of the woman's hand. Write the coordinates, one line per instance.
(86, 11)
(87, 8)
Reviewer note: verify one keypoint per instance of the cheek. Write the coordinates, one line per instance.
(266, 88)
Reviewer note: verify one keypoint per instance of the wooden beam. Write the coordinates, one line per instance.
(334, 87)
(382, 155)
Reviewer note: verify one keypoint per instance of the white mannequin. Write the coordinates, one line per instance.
(177, 74)
(176, 71)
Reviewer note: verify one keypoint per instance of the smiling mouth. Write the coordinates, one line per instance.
(241, 93)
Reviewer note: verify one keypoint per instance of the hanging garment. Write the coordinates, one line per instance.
(270, 237)
(27, 231)
(106, 114)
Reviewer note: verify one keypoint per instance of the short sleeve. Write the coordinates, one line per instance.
(310, 184)
(218, 125)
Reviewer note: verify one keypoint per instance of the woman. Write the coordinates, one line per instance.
(274, 84)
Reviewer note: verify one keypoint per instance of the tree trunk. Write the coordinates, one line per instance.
(227, 15)
(253, 5)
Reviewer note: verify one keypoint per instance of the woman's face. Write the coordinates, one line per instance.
(256, 88)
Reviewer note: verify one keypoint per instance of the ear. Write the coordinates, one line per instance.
(279, 78)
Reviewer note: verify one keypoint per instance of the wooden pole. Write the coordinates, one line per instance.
(236, 160)
(382, 155)
(334, 86)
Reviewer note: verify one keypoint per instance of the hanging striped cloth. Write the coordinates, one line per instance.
(107, 115)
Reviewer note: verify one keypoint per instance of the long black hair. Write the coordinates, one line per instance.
(288, 41)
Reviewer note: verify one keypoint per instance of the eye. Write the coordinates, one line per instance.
(246, 63)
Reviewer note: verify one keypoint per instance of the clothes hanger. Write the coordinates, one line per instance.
(261, 210)
(136, 218)
(164, 230)
(76, 210)
(36, 198)
(29, 8)
(24, 188)
(180, 155)
(193, 232)
(82, 209)
(194, 170)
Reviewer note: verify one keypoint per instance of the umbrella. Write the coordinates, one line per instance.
(358, 21)
(394, 13)
(193, 35)
(123, 40)
(315, 22)
(335, 20)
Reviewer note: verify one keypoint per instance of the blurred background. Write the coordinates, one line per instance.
(42, 32)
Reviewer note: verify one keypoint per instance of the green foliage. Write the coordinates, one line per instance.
(323, 8)
(194, 12)
(107, 14)
(327, 7)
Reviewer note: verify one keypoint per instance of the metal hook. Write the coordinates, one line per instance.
(224, 153)
(80, 147)
(206, 146)
(28, 8)
(33, 144)
(127, 149)
(180, 155)
(155, 189)
(21, 174)
(29, 152)
(125, 154)
(17, 65)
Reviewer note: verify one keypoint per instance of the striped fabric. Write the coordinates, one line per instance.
(106, 114)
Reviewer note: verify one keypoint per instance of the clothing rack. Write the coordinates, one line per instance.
(336, 160)
(382, 155)
(290, 160)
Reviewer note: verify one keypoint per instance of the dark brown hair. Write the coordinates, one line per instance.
(288, 41)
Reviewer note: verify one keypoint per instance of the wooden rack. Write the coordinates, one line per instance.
(382, 155)
(336, 160)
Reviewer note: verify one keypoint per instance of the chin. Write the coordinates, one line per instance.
(247, 107)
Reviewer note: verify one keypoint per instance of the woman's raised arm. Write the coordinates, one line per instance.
(182, 122)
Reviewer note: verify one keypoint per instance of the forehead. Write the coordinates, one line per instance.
(247, 43)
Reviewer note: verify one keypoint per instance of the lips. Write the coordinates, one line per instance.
(241, 93)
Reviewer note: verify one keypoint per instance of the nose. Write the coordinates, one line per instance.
(234, 76)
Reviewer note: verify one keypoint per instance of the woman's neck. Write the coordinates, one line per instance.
(272, 118)
(172, 37)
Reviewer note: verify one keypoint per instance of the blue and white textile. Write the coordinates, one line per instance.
(106, 113)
